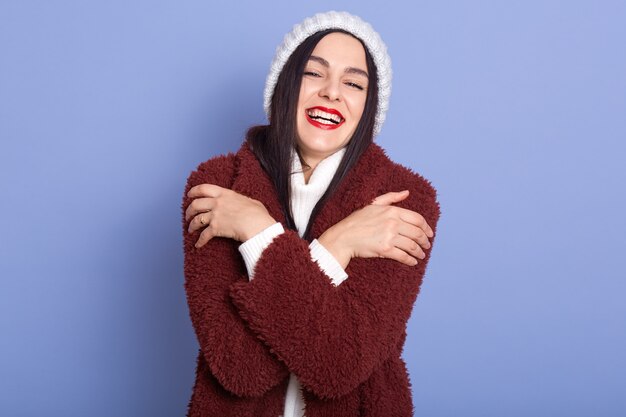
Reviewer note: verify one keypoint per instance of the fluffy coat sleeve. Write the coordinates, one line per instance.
(334, 337)
(239, 360)
(252, 249)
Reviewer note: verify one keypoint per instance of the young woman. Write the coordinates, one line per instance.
(306, 249)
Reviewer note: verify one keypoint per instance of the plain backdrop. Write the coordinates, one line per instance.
(515, 110)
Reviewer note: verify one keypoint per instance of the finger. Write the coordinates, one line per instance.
(205, 190)
(409, 246)
(199, 205)
(390, 198)
(206, 235)
(415, 234)
(200, 221)
(398, 255)
(417, 219)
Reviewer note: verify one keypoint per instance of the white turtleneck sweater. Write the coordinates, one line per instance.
(303, 199)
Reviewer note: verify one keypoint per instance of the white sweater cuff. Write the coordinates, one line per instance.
(252, 248)
(327, 262)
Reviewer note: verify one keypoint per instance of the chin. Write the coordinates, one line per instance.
(321, 145)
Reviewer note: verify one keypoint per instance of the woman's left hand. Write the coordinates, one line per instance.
(225, 213)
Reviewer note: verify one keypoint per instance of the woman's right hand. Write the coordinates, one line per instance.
(379, 230)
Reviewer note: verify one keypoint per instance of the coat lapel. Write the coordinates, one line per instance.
(364, 182)
(251, 180)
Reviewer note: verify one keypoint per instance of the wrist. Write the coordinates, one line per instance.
(257, 228)
(331, 240)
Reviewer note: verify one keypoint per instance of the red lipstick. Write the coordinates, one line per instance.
(322, 125)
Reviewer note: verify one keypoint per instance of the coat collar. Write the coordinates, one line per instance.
(365, 181)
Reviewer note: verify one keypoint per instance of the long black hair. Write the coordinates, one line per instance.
(272, 144)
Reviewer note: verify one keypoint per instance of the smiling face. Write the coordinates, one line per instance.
(332, 96)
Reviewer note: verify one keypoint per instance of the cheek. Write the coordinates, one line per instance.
(358, 107)
(305, 92)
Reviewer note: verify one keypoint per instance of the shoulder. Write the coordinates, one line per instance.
(218, 170)
(423, 196)
(398, 175)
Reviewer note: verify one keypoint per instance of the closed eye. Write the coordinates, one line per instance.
(314, 74)
(355, 85)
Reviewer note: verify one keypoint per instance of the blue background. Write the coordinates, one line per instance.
(515, 110)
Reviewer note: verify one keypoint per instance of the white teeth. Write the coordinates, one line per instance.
(323, 117)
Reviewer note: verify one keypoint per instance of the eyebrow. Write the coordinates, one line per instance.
(348, 70)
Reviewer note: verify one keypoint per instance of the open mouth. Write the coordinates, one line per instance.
(324, 118)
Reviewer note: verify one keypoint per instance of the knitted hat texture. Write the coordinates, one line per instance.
(335, 20)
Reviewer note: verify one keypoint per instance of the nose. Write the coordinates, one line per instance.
(331, 90)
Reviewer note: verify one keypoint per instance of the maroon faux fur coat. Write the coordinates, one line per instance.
(343, 342)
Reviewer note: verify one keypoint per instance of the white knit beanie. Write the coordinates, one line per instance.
(335, 20)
